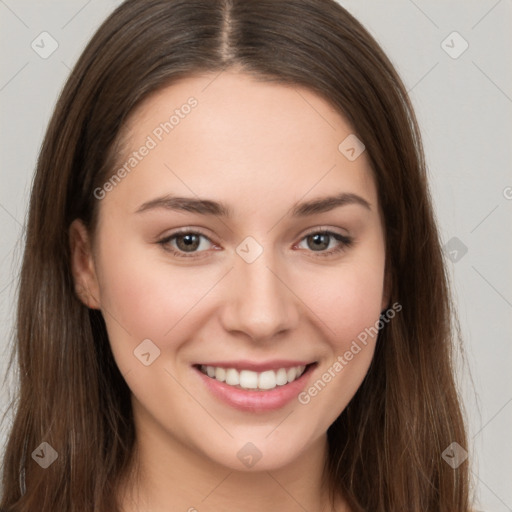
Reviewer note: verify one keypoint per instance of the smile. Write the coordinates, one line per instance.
(248, 379)
(255, 387)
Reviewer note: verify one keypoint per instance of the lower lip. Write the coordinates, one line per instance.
(256, 401)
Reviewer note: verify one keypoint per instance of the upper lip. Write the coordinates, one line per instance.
(275, 364)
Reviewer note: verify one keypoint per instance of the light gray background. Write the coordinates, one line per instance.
(464, 107)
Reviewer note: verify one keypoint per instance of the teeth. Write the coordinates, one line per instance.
(267, 380)
(232, 377)
(281, 377)
(247, 379)
(291, 374)
(220, 374)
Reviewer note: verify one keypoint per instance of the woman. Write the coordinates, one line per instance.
(233, 294)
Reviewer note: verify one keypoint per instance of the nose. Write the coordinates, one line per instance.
(261, 304)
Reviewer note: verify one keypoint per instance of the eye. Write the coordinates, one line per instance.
(318, 241)
(184, 244)
(187, 243)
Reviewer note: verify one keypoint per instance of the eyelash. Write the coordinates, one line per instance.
(345, 242)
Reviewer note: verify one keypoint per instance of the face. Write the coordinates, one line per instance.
(265, 285)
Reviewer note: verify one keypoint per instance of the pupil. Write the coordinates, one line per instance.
(188, 241)
(318, 240)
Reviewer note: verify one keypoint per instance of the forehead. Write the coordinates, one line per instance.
(232, 136)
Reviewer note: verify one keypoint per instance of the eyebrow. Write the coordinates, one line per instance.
(218, 209)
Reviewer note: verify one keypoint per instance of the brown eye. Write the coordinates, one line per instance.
(185, 243)
(319, 241)
(188, 243)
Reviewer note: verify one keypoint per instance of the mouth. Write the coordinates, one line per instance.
(273, 387)
(251, 380)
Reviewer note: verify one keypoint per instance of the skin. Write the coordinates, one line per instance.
(260, 148)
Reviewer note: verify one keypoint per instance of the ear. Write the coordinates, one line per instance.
(82, 265)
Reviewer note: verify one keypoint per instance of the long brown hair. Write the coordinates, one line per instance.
(385, 449)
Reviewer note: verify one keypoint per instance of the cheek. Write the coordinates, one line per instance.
(350, 307)
(348, 302)
(347, 299)
(357, 305)
(143, 298)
